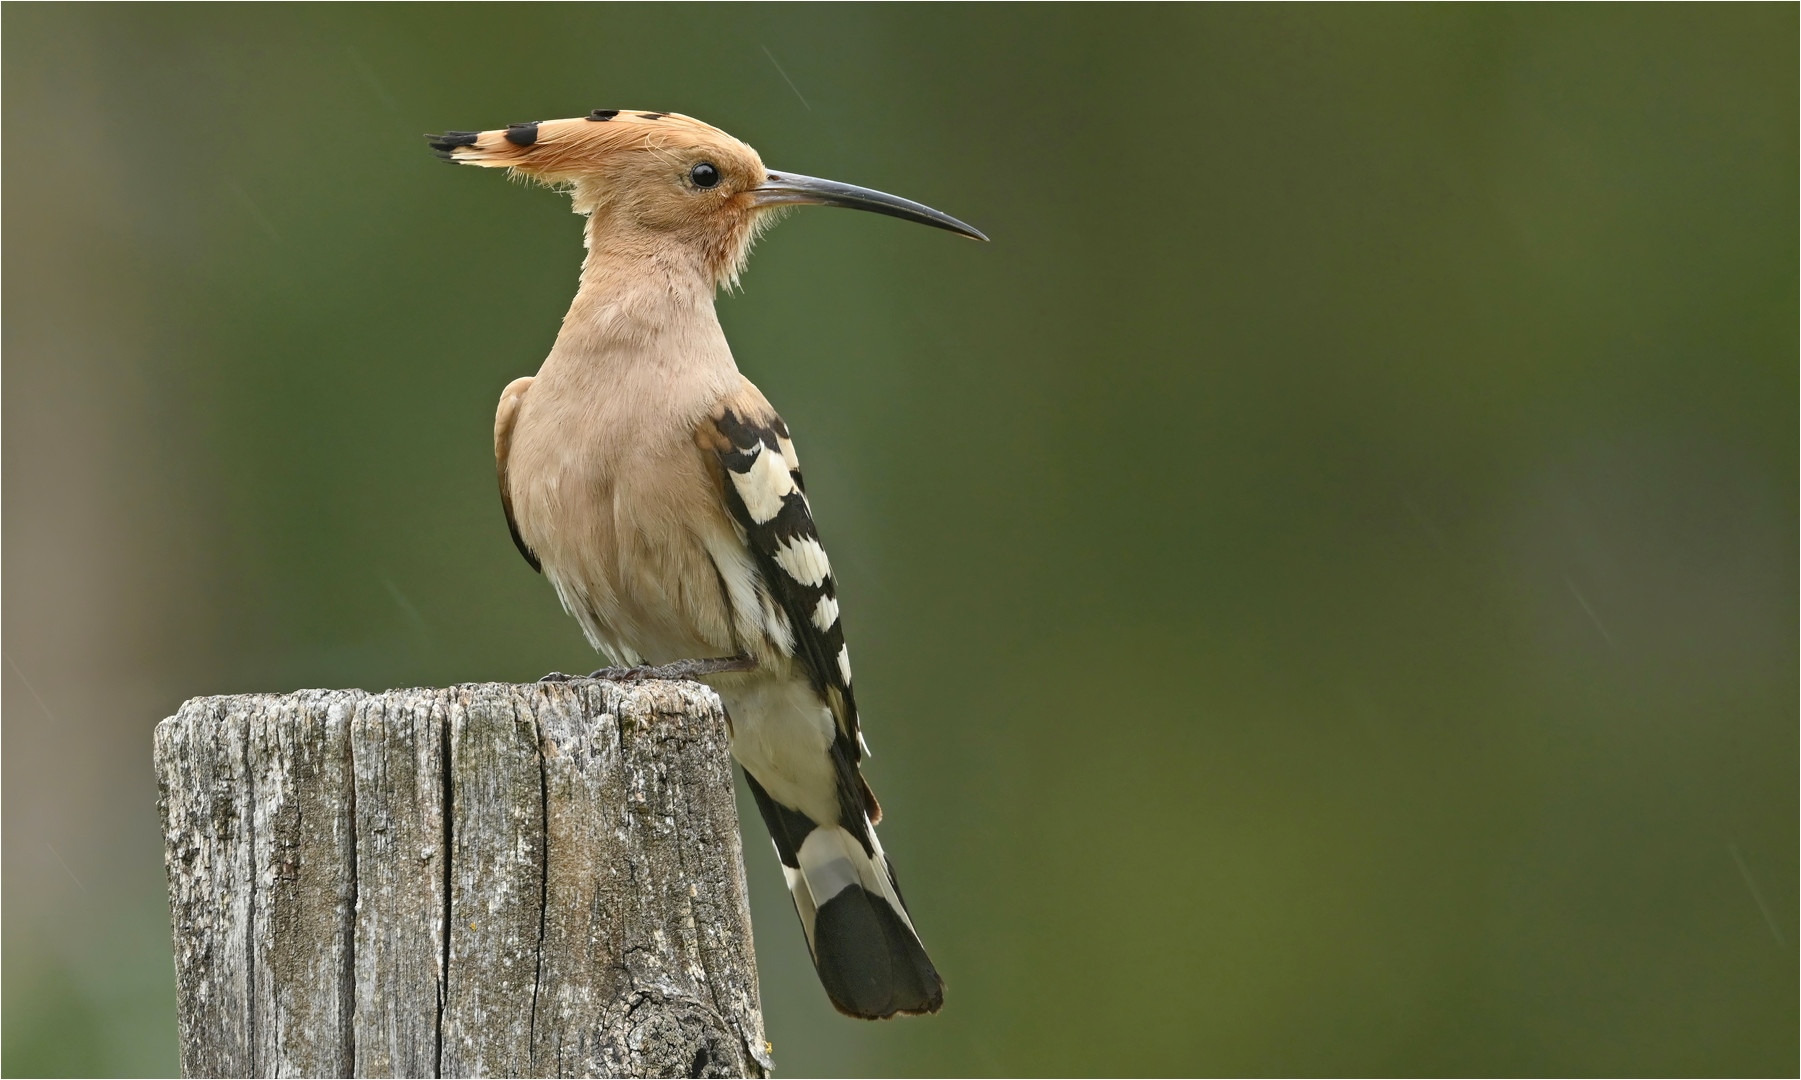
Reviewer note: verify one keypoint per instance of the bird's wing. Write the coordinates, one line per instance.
(864, 946)
(767, 499)
(504, 417)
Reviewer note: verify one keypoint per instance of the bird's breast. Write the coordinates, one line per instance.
(619, 507)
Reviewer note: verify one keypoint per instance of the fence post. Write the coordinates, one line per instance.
(537, 880)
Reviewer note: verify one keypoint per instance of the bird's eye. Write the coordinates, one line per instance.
(704, 175)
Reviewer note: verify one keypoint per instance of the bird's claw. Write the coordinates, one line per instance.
(681, 670)
(624, 674)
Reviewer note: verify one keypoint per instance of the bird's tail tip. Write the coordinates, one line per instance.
(864, 946)
(868, 955)
(870, 961)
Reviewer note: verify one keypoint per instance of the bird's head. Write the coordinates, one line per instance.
(668, 181)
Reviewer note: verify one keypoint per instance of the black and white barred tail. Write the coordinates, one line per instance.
(868, 956)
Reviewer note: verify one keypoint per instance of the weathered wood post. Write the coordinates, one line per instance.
(538, 880)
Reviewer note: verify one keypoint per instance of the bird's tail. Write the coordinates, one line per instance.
(868, 955)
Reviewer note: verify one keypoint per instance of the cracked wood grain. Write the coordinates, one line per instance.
(398, 743)
(646, 932)
(303, 892)
(539, 880)
(203, 791)
(496, 884)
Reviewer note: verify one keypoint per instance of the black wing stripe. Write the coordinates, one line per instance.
(784, 547)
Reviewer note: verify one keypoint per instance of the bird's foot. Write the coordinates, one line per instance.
(678, 671)
(623, 674)
(556, 676)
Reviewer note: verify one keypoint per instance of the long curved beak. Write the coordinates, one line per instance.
(792, 189)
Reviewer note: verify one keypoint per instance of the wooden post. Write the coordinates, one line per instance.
(538, 880)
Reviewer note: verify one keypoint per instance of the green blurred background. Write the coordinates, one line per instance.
(1323, 580)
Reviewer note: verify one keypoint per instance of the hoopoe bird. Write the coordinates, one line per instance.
(660, 493)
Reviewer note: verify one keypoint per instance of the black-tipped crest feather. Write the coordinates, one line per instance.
(450, 140)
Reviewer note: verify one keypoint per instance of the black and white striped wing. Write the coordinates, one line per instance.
(766, 496)
(864, 946)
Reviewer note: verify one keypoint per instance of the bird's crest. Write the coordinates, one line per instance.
(563, 151)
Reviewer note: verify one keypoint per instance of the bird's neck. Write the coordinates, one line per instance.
(644, 311)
